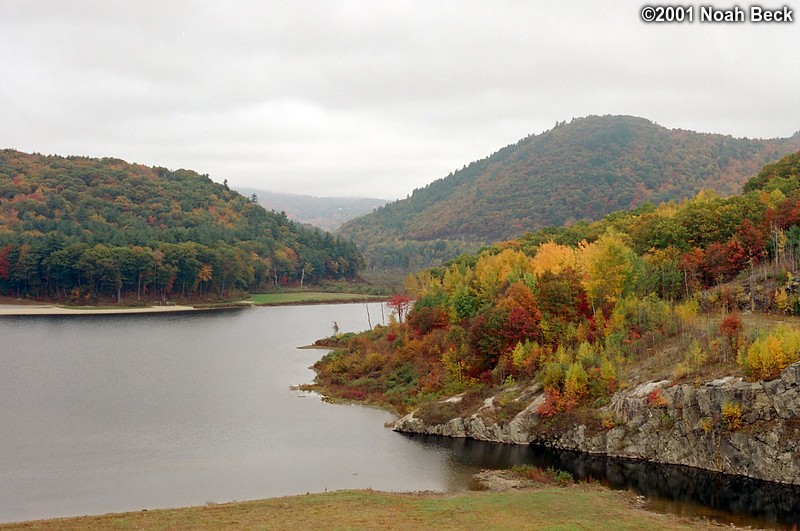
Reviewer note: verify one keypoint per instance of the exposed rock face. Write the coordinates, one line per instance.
(685, 426)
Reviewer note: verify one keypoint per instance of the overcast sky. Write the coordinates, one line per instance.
(368, 98)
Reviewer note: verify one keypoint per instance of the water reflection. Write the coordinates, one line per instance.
(668, 488)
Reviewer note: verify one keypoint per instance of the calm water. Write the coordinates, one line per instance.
(112, 414)
(108, 414)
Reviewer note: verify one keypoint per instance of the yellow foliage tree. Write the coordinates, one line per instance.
(576, 383)
(454, 279)
(767, 356)
(554, 258)
(421, 284)
(494, 270)
(782, 300)
(608, 266)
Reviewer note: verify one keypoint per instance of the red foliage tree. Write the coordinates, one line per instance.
(723, 261)
(400, 304)
(522, 315)
(736, 257)
(715, 263)
(424, 319)
(692, 264)
(753, 240)
(732, 328)
(786, 215)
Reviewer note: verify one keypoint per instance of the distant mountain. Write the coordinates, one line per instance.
(576, 171)
(327, 213)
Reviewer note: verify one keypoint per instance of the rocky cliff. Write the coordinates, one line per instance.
(726, 425)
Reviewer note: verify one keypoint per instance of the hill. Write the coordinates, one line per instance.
(629, 336)
(611, 293)
(327, 213)
(82, 228)
(576, 171)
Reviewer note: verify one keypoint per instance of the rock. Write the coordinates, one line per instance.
(687, 431)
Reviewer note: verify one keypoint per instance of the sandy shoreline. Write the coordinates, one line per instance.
(12, 310)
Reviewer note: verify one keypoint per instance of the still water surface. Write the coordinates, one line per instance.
(109, 414)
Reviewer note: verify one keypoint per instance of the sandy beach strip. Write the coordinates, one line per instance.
(48, 309)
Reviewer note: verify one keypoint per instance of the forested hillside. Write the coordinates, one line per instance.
(581, 309)
(576, 171)
(85, 229)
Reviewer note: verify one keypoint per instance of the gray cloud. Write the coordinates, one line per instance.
(367, 98)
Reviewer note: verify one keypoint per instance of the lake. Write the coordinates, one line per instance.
(106, 414)
(120, 413)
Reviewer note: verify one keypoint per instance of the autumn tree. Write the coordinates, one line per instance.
(493, 271)
(609, 266)
(554, 258)
(400, 304)
(522, 315)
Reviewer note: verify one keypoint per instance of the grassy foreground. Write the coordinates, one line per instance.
(576, 507)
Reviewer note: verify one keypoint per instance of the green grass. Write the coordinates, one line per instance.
(307, 297)
(575, 507)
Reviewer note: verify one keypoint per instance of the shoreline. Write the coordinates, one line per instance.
(23, 308)
(51, 310)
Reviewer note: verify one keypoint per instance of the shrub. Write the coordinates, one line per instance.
(609, 421)
(532, 473)
(552, 376)
(655, 399)
(693, 360)
(732, 416)
(561, 477)
(507, 405)
(547, 477)
(768, 355)
(553, 404)
(707, 424)
(438, 412)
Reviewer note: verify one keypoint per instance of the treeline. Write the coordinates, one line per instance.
(83, 228)
(578, 171)
(708, 240)
(413, 255)
(569, 307)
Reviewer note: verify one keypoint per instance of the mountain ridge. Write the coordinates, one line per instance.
(576, 171)
(327, 213)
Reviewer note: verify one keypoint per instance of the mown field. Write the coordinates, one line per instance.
(574, 507)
